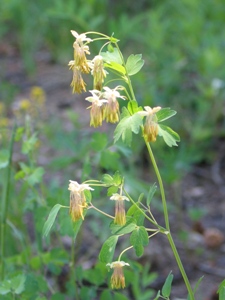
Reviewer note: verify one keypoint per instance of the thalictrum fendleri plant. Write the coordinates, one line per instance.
(106, 99)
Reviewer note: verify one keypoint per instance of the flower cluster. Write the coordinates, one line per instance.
(79, 64)
(104, 106)
(77, 199)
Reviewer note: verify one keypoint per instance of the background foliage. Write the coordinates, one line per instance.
(182, 43)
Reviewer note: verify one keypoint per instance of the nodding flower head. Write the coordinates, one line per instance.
(77, 199)
(80, 38)
(98, 72)
(80, 59)
(117, 279)
(151, 124)
(120, 214)
(97, 108)
(112, 107)
(77, 83)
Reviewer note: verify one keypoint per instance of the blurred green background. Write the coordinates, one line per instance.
(182, 42)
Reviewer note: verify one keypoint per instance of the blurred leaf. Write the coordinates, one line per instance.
(77, 225)
(18, 284)
(112, 190)
(29, 144)
(19, 133)
(164, 114)
(36, 176)
(134, 64)
(166, 289)
(133, 107)
(116, 67)
(51, 219)
(4, 158)
(112, 56)
(107, 252)
(106, 294)
(170, 137)
(126, 126)
(221, 290)
(151, 193)
(110, 160)
(99, 141)
(139, 239)
(117, 178)
(107, 179)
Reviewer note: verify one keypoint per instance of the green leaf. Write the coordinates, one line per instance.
(51, 219)
(151, 193)
(139, 239)
(116, 67)
(127, 228)
(19, 133)
(36, 176)
(4, 158)
(108, 249)
(117, 178)
(133, 107)
(99, 141)
(29, 144)
(126, 126)
(18, 284)
(157, 296)
(166, 289)
(112, 190)
(77, 225)
(164, 114)
(107, 179)
(170, 137)
(134, 64)
(5, 287)
(221, 290)
(112, 56)
(132, 209)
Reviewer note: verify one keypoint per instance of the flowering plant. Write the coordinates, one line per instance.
(106, 99)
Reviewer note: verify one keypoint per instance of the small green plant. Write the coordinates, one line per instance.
(106, 99)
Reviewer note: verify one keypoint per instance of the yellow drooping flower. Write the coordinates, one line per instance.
(98, 72)
(77, 83)
(151, 124)
(112, 108)
(77, 199)
(120, 214)
(117, 279)
(97, 108)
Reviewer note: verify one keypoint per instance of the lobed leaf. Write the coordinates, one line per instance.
(170, 137)
(134, 64)
(165, 113)
(112, 56)
(139, 239)
(127, 125)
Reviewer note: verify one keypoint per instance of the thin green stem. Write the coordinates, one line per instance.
(73, 270)
(162, 191)
(166, 218)
(163, 230)
(127, 76)
(180, 265)
(5, 204)
(100, 211)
